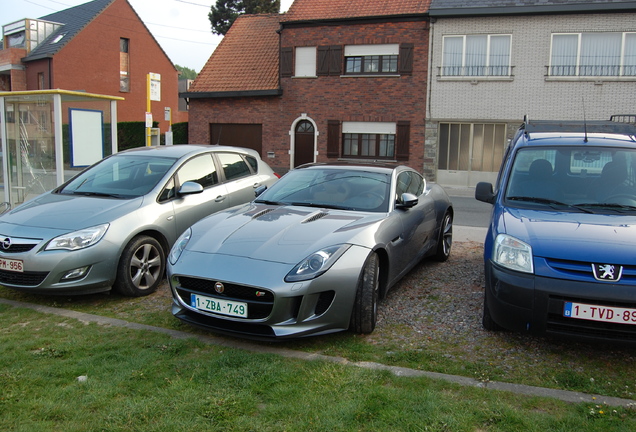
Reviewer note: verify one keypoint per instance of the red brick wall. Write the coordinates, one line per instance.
(90, 62)
(375, 99)
(16, 81)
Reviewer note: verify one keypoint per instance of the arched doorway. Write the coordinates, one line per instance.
(304, 138)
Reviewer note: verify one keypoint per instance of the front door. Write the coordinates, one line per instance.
(304, 143)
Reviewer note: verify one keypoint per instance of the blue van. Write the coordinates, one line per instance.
(560, 252)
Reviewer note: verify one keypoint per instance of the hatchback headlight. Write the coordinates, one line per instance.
(316, 264)
(78, 239)
(513, 254)
(179, 246)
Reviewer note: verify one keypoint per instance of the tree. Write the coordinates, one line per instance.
(186, 72)
(226, 11)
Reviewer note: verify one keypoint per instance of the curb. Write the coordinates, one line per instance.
(563, 395)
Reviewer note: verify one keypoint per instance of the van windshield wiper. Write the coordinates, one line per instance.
(611, 206)
(552, 203)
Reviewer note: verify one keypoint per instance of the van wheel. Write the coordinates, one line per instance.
(487, 321)
(141, 267)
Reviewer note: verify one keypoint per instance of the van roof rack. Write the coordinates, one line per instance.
(623, 124)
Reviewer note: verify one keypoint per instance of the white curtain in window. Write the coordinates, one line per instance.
(499, 61)
(452, 55)
(600, 54)
(564, 54)
(305, 62)
(629, 59)
(476, 54)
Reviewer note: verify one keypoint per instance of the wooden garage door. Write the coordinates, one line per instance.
(237, 135)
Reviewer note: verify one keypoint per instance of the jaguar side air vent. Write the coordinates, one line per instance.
(315, 217)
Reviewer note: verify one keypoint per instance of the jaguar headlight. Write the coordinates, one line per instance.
(179, 246)
(513, 254)
(316, 264)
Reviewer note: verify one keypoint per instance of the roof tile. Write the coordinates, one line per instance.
(310, 10)
(245, 60)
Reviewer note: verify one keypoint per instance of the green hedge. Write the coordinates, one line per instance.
(132, 134)
(180, 133)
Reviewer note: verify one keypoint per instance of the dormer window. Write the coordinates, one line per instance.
(16, 40)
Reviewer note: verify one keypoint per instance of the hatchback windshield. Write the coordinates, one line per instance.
(331, 188)
(588, 179)
(120, 176)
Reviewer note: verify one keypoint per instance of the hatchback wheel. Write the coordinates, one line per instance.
(141, 267)
(365, 307)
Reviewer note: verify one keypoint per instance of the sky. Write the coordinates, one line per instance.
(181, 27)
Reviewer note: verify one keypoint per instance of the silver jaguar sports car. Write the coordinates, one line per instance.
(312, 254)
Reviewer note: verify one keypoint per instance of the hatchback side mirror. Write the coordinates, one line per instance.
(484, 192)
(190, 187)
(259, 190)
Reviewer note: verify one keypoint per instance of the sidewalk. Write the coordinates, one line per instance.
(466, 233)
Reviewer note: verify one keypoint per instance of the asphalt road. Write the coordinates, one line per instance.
(468, 211)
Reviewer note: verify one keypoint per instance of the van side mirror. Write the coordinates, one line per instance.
(484, 192)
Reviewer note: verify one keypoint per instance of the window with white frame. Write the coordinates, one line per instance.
(305, 64)
(593, 54)
(476, 55)
(368, 140)
(371, 59)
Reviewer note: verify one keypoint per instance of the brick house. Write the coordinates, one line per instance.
(100, 47)
(494, 61)
(328, 80)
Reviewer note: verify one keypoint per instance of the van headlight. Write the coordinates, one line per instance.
(513, 254)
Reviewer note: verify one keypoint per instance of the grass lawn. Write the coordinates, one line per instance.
(60, 374)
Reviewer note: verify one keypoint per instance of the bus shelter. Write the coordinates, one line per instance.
(48, 136)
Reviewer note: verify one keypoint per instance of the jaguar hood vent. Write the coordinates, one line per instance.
(315, 217)
(263, 213)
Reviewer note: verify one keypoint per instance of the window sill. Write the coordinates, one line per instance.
(305, 77)
(370, 76)
(476, 79)
(594, 79)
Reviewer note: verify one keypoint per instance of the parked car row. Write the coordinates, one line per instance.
(311, 253)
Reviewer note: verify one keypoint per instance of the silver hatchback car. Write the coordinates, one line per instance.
(112, 225)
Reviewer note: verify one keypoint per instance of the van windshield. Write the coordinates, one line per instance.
(574, 178)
